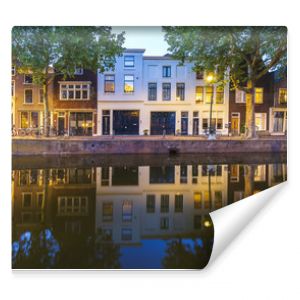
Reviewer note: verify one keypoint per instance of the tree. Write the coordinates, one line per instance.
(248, 52)
(46, 52)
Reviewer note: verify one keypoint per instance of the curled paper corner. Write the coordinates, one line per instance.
(229, 221)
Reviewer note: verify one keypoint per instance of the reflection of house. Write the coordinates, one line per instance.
(263, 177)
(60, 198)
(158, 201)
(157, 95)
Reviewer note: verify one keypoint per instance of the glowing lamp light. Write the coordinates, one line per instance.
(209, 78)
(207, 223)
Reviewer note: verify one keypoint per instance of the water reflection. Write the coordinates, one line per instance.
(145, 216)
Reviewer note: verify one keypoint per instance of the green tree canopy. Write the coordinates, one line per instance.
(249, 53)
(49, 51)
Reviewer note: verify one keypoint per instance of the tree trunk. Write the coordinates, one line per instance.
(46, 110)
(250, 112)
(249, 180)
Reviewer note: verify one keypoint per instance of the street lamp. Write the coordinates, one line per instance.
(211, 135)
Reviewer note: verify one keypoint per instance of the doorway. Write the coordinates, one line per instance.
(235, 123)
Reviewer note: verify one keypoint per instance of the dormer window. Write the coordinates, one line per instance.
(128, 61)
(78, 71)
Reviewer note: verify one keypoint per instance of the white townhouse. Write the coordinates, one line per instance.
(156, 95)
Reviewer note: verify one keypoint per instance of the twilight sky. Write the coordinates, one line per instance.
(151, 38)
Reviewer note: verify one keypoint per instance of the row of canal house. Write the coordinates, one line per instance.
(147, 95)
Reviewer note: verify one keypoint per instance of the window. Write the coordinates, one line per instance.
(107, 212)
(28, 96)
(78, 71)
(164, 223)
(199, 74)
(205, 123)
(178, 203)
(27, 78)
(150, 203)
(219, 123)
(220, 95)
(26, 203)
(24, 119)
(261, 121)
(197, 222)
(129, 61)
(74, 91)
(12, 88)
(152, 91)
(41, 96)
(199, 93)
(240, 96)
(259, 95)
(126, 234)
(109, 83)
(166, 91)
(127, 211)
(72, 206)
(180, 91)
(260, 173)
(218, 199)
(166, 70)
(34, 115)
(164, 203)
(197, 200)
(282, 97)
(209, 92)
(128, 84)
(13, 70)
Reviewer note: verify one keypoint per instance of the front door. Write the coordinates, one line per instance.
(61, 125)
(184, 122)
(235, 123)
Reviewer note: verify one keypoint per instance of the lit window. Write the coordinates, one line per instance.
(199, 93)
(180, 91)
(197, 200)
(209, 94)
(166, 71)
(27, 78)
(24, 119)
(152, 91)
(220, 95)
(28, 96)
(260, 173)
(259, 95)
(282, 98)
(109, 83)
(166, 94)
(261, 121)
(128, 84)
(129, 61)
(74, 91)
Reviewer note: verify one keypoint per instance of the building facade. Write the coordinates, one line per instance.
(157, 95)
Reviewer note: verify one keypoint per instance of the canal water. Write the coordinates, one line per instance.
(128, 212)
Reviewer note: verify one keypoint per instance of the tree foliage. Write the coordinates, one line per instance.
(49, 51)
(249, 52)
